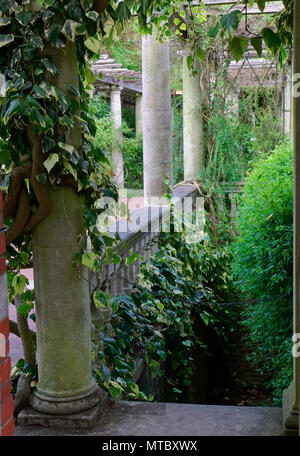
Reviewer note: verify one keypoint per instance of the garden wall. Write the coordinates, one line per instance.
(6, 401)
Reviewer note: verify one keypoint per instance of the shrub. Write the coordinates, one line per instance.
(263, 256)
(132, 147)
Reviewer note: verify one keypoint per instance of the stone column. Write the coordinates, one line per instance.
(291, 396)
(138, 114)
(192, 122)
(157, 117)
(62, 301)
(117, 155)
(287, 102)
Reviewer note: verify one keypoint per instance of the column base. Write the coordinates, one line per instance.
(66, 405)
(290, 412)
(85, 419)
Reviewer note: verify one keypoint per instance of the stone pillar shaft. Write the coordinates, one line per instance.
(62, 301)
(287, 103)
(192, 123)
(157, 117)
(296, 141)
(138, 114)
(117, 155)
(291, 396)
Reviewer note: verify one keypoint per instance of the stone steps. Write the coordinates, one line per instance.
(124, 418)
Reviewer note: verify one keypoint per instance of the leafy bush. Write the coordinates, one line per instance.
(132, 147)
(263, 256)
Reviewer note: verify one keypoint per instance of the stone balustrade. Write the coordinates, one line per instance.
(139, 235)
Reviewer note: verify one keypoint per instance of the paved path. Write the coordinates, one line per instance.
(124, 418)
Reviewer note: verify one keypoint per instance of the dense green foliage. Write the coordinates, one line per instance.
(132, 146)
(262, 264)
(156, 321)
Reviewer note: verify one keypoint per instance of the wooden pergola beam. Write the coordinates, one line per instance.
(273, 8)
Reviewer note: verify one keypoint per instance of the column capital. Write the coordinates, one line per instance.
(116, 89)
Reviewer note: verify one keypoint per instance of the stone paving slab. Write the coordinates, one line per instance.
(123, 418)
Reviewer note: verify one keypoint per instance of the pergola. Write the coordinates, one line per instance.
(157, 145)
(76, 395)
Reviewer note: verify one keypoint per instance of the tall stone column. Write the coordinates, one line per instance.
(138, 114)
(291, 395)
(287, 102)
(117, 155)
(62, 302)
(192, 122)
(157, 117)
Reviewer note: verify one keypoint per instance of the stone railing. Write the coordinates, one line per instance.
(139, 235)
(233, 192)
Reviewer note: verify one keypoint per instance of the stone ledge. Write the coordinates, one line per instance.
(78, 421)
(290, 412)
(124, 418)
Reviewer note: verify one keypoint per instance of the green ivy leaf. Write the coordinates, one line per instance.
(24, 17)
(69, 29)
(74, 90)
(200, 54)
(33, 102)
(86, 4)
(66, 121)
(261, 4)
(14, 108)
(115, 392)
(71, 168)
(51, 161)
(93, 45)
(75, 11)
(4, 21)
(230, 21)
(122, 12)
(238, 45)
(214, 30)
(92, 15)
(49, 66)
(6, 39)
(36, 117)
(100, 299)
(257, 44)
(18, 285)
(55, 36)
(89, 75)
(89, 260)
(47, 144)
(271, 39)
(41, 178)
(189, 61)
(40, 92)
(131, 258)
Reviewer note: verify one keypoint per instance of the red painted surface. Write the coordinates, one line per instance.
(6, 401)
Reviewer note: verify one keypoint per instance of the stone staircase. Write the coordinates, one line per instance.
(123, 418)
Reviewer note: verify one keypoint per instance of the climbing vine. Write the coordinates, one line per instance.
(158, 322)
